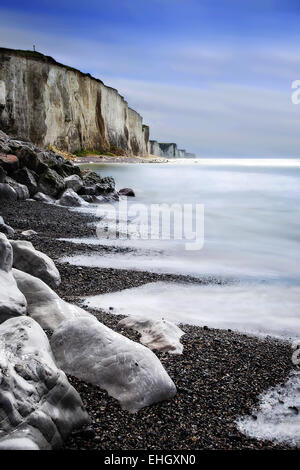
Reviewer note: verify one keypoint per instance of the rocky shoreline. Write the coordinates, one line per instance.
(219, 377)
(119, 159)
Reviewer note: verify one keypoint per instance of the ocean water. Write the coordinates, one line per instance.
(251, 218)
(251, 243)
(227, 306)
(251, 238)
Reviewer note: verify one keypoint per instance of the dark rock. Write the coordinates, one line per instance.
(6, 229)
(51, 160)
(89, 198)
(51, 183)
(2, 174)
(88, 190)
(42, 165)
(59, 169)
(9, 163)
(28, 158)
(15, 144)
(3, 136)
(28, 178)
(4, 148)
(74, 182)
(21, 190)
(107, 185)
(7, 192)
(91, 178)
(58, 159)
(70, 169)
(127, 192)
(113, 196)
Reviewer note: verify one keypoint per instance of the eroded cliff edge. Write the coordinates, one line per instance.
(49, 103)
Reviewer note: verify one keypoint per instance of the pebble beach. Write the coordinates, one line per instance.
(219, 377)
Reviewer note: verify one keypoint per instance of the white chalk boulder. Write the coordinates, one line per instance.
(29, 233)
(41, 197)
(39, 408)
(161, 335)
(43, 304)
(32, 261)
(128, 371)
(74, 182)
(12, 301)
(70, 198)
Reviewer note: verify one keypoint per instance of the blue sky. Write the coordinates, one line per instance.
(214, 76)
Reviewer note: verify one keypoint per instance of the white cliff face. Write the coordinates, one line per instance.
(154, 148)
(168, 150)
(128, 371)
(48, 103)
(181, 153)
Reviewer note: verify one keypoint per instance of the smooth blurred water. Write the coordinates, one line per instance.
(252, 223)
(252, 240)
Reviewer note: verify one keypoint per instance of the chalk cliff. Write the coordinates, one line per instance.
(50, 103)
(168, 150)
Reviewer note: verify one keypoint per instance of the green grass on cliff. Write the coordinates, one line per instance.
(112, 152)
(85, 153)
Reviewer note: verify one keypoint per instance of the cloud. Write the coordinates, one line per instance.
(221, 120)
(216, 97)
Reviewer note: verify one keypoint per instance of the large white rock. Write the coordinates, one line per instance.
(70, 198)
(29, 233)
(31, 261)
(43, 304)
(74, 182)
(161, 335)
(128, 371)
(12, 301)
(38, 406)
